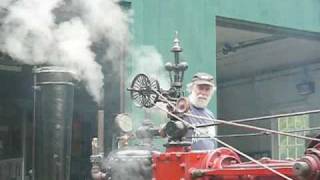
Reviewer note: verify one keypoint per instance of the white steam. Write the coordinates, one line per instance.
(109, 23)
(147, 60)
(30, 34)
(5, 3)
(73, 45)
(26, 32)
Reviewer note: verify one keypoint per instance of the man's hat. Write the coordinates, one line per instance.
(203, 78)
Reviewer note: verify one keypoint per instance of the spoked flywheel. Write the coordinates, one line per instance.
(143, 91)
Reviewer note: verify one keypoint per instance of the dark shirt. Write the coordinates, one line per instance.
(200, 143)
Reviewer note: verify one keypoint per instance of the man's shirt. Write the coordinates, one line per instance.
(201, 141)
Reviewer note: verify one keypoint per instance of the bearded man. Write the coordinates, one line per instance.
(201, 89)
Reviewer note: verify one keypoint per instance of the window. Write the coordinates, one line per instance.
(290, 147)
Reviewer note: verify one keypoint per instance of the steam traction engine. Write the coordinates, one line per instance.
(179, 162)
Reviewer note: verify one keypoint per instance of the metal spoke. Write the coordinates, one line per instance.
(143, 90)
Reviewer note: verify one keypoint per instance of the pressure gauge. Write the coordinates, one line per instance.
(124, 122)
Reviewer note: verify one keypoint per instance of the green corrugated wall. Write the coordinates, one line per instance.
(155, 22)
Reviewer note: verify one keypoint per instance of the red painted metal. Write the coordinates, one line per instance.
(224, 164)
(178, 148)
(176, 165)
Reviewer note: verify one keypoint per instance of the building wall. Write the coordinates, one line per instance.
(272, 93)
(303, 15)
(156, 20)
(155, 23)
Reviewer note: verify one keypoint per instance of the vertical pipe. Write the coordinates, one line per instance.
(122, 83)
(53, 124)
(34, 120)
(101, 128)
(24, 143)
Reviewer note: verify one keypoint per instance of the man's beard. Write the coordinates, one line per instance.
(199, 101)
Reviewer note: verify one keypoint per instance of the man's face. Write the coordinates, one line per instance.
(203, 90)
(201, 95)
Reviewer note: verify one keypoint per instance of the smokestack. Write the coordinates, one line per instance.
(54, 93)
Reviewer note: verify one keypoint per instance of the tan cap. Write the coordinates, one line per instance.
(203, 78)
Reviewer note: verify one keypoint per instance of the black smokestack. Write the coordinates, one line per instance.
(53, 123)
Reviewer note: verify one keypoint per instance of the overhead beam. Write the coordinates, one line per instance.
(265, 28)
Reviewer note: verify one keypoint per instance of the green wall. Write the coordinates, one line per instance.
(297, 14)
(155, 22)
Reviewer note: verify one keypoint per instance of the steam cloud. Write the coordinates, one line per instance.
(148, 60)
(32, 32)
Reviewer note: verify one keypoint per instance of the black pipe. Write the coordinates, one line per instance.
(53, 123)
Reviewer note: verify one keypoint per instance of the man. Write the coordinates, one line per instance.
(201, 89)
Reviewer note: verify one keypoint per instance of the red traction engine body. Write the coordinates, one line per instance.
(179, 163)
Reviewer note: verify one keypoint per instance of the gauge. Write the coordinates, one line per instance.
(124, 122)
